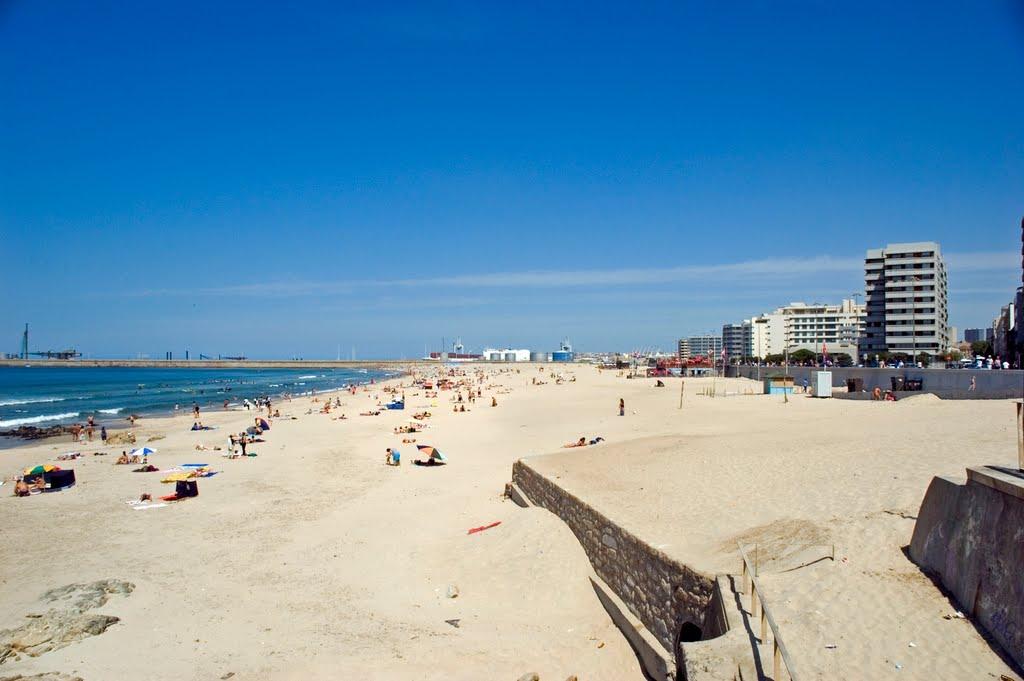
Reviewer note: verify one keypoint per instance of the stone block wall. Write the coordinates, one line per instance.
(663, 593)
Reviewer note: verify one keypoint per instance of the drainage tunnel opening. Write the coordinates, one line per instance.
(689, 632)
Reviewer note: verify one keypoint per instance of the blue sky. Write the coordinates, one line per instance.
(276, 180)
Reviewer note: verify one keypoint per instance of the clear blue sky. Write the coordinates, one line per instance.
(277, 180)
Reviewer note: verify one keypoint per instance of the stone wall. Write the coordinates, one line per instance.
(971, 538)
(663, 593)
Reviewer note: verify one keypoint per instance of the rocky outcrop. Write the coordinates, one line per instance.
(67, 620)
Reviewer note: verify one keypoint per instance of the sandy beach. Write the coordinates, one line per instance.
(315, 560)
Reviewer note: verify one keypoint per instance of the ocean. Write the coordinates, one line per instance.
(47, 396)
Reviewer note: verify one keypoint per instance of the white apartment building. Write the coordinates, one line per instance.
(906, 298)
(809, 326)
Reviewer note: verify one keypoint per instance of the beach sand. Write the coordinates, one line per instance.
(315, 560)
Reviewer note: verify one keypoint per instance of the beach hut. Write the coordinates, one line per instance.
(778, 385)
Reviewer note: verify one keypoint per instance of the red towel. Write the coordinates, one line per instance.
(483, 527)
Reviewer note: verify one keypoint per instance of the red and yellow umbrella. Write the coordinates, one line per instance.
(39, 470)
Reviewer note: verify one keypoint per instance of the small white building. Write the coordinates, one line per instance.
(506, 355)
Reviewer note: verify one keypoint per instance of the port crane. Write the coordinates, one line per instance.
(70, 353)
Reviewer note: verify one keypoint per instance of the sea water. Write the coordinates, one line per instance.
(47, 396)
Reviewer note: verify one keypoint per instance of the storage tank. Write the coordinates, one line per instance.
(510, 356)
(495, 357)
(540, 357)
(561, 356)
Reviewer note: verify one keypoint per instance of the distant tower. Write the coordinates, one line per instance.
(566, 345)
(458, 347)
(24, 343)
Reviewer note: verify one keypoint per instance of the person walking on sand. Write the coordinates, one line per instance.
(622, 407)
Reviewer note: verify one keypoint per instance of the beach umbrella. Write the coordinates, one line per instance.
(264, 425)
(39, 470)
(142, 451)
(431, 452)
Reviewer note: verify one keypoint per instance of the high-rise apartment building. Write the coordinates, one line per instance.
(705, 346)
(737, 341)
(906, 300)
(684, 349)
(972, 335)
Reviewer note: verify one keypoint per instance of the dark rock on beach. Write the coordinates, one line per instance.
(33, 432)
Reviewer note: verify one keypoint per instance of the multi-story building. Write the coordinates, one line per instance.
(906, 300)
(684, 349)
(972, 335)
(1019, 305)
(706, 345)
(1004, 332)
(815, 327)
(737, 341)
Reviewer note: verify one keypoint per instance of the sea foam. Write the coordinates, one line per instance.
(11, 423)
(30, 400)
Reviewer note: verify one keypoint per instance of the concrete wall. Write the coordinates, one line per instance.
(949, 383)
(663, 593)
(971, 537)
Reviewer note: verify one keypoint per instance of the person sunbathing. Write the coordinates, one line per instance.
(582, 442)
(429, 462)
(408, 440)
(122, 460)
(369, 413)
(21, 489)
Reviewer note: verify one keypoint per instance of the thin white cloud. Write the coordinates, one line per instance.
(983, 261)
(761, 272)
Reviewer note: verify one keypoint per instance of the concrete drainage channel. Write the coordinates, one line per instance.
(662, 606)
